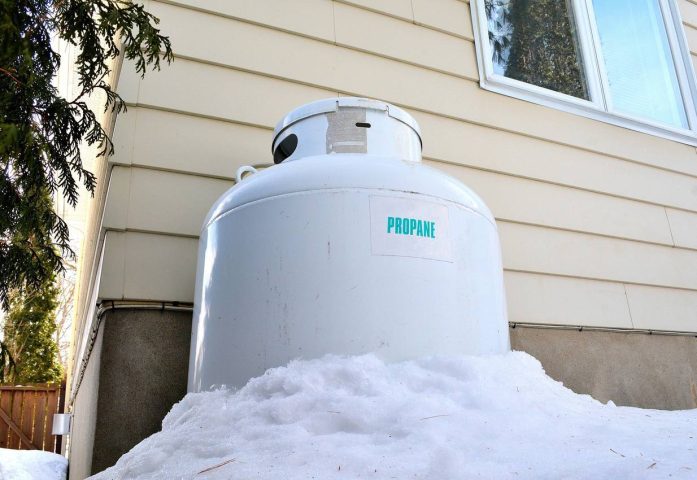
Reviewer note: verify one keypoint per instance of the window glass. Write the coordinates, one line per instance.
(535, 41)
(638, 61)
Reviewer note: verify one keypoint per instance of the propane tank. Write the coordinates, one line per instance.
(347, 245)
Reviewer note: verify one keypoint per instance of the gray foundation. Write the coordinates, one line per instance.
(640, 370)
(142, 370)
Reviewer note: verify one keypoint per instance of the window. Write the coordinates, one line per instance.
(620, 61)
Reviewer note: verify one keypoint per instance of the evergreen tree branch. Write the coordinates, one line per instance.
(41, 132)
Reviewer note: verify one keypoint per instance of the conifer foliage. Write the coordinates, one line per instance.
(29, 352)
(40, 132)
(29, 333)
(535, 41)
(544, 49)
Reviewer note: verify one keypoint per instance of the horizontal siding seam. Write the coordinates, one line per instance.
(442, 30)
(513, 270)
(692, 48)
(559, 184)
(689, 24)
(429, 158)
(379, 12)
(499, 219)
(614, 237)
(152, 232)
(591, 233)
(246, 20)
(556, 142)
(299, 33)
(173, 171)
(597, 279)
(533, 272)
(158, 108)
(448, 116)
(407, 62)
(352, 48)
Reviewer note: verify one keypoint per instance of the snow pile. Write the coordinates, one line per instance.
(435, 418)
(31, 465)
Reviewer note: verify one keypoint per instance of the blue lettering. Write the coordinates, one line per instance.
(411, 226)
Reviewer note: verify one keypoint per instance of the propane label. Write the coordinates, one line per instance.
(409, 228)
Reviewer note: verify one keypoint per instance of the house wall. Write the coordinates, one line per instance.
(598, 223)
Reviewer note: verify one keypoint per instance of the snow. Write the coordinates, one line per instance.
(31, 465)
(434, 418)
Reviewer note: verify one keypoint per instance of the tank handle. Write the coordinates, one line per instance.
(242, 170)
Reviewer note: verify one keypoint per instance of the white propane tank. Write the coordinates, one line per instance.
(348, 245)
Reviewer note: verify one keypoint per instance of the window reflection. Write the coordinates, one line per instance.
(535, 41)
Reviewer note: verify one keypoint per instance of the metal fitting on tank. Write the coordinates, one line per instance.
(347, 125)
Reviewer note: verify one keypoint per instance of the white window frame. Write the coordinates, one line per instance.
(597, 107)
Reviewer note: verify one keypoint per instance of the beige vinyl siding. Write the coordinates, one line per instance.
(445, 16)
(185, 143)
(649, 307)
(396, 39)
(146, 266)
(691, 34)
(215, 146)
(596, 221)
(683, 226)
(570, 301)
(273, 53)
(401, 9)
(688, 12)
(159, 201)
(196, 142)
(519, 200)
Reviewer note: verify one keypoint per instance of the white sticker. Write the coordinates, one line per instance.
(409, 228)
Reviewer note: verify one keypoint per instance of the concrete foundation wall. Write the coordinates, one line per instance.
(138, 369)
(649, 371)
(144, 367)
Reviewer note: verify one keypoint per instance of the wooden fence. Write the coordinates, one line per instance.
(26, 416)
